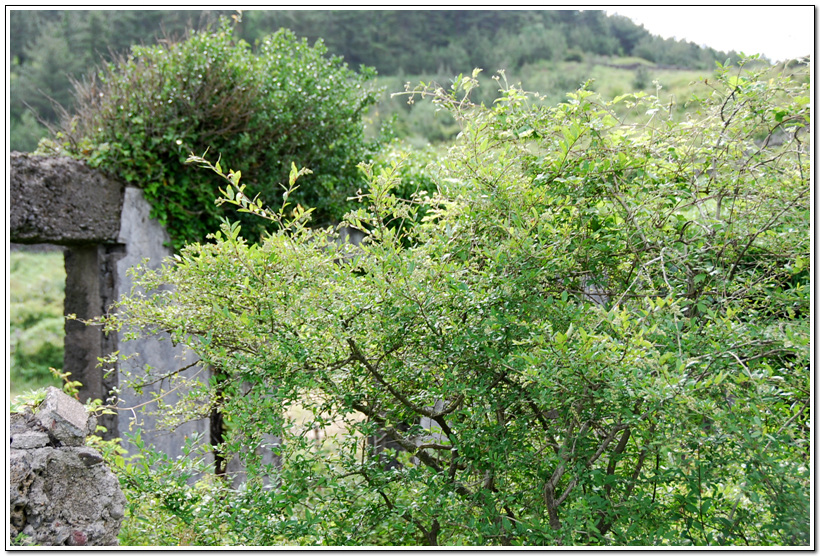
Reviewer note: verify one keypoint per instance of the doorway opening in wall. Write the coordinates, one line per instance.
(36, 327)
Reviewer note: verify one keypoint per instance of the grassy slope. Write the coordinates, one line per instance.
(610, 77)
(36, 326)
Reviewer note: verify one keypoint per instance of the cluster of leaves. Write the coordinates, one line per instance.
(30, 399)
(287, 101)
(172, 502)
(598, 333)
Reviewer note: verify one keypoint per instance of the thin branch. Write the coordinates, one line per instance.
(359, 356)
(170, 374)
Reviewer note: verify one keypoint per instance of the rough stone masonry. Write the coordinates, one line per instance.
(61, 492)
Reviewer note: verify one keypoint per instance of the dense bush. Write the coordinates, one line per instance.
(288, 102)
(598, 334)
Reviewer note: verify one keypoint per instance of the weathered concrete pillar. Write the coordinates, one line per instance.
(61, 201)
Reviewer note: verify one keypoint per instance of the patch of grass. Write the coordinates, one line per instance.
(627, 61)
(36, 324)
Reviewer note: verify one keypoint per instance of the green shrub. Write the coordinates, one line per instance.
(286, 102)
(172, 501)
(641, 80)
(607, 323)
(415, 167)
(574, 56)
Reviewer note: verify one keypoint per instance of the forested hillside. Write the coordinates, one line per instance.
(49, 48)
(417, 42)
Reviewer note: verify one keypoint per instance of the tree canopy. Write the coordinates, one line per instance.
(426, 41)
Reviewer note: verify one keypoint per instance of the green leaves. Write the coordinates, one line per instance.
(575, 344)
(260, 110)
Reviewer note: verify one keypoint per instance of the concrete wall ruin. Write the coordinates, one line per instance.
(106, 228)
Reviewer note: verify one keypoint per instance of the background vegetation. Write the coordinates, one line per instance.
(50, 48)
(36, 282)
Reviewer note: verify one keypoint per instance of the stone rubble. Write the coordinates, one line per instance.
(61, 492)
